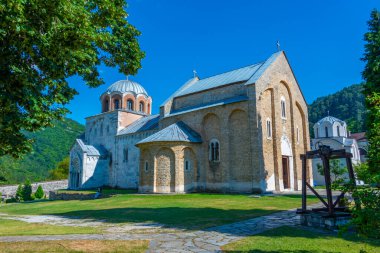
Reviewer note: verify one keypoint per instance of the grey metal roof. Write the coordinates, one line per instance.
(208, 105)
(142, 124)
(124, 86)
(262, 68)
(91, 150)
(234, 76)
(249, 74)
(331, 120)
(178, 131)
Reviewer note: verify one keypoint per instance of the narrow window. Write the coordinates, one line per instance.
(106, 107)
(126, 155)
(116, 104)
(130, 105)
(269, 129)
(214, 151)
(283, 108)
(141, 107)
(298, 135)
(317, 133)
(338, 131)
(146, 166)
(326, 132)
(187, 166)
(101, 129)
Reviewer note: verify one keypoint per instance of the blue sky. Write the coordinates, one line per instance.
(322, 39)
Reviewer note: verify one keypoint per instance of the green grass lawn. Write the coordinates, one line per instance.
(15, 227)
(189, 211)
(75, 246)
(287, 239)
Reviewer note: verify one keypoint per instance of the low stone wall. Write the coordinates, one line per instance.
(70, 196)
(10, 190)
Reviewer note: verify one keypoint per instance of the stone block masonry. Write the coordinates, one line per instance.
(10, 190)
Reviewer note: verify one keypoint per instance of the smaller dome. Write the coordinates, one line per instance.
(331, 120)
(124, 86)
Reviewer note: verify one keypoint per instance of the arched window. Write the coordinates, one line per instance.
(298, 135)
(141, 106)
(269, 129)
(106, 106)
(283, 108)
(116, 104)
(317, 133)
(326, 132)
(337, 130)
(187, 165)
(214, 150)
(130, 104)
(146, 166)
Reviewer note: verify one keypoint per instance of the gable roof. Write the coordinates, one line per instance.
(249, 74)
(91, 150)
(178, 131)
(142, 124)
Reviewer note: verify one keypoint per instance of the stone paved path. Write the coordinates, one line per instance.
(208, 240)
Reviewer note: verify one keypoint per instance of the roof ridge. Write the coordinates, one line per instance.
(225, 72)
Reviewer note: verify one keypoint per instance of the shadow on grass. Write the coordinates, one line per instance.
(172, 217)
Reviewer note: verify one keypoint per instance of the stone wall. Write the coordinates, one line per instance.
(10, 190)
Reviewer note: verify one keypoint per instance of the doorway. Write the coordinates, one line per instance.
(285, 172)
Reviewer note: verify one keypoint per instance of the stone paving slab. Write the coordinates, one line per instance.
(208, 240)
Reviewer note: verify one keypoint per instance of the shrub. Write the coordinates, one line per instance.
(27, 191)
(39, 194)
(11, 200)
(19, 193)
(366, 211)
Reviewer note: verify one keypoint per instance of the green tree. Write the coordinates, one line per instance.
(42, 43)
(61, 171)
(27, 191)
(336, 170)
(371, 75)
(39, 194)
(19, 192)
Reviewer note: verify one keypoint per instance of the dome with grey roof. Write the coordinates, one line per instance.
(125, 86)
(331, 120)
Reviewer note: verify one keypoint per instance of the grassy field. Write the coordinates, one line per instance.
(287, 239)
(15, 227)
(76, 246)
(189, 211)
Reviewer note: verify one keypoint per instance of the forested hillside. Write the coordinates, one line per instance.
(347, 104)
(51, 146)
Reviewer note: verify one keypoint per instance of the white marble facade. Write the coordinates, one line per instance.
(106, 155)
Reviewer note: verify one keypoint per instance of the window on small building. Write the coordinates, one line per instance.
(130, 104)
(269, 129)
(214, 150)
(146, 166)
(116, 104)
(326, 132)
(338, 130)
(141, 106)
(317, 133)
(107, 106)
(126, 155)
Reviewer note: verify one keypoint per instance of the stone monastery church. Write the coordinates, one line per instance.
(239, 131)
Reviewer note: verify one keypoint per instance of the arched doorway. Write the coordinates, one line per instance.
(287, 164)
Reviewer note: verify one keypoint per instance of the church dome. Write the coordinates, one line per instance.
(331, 120)
(125, 86)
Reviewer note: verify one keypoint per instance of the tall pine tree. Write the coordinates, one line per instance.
(371, 75)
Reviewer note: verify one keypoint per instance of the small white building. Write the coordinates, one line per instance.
(332, 132)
